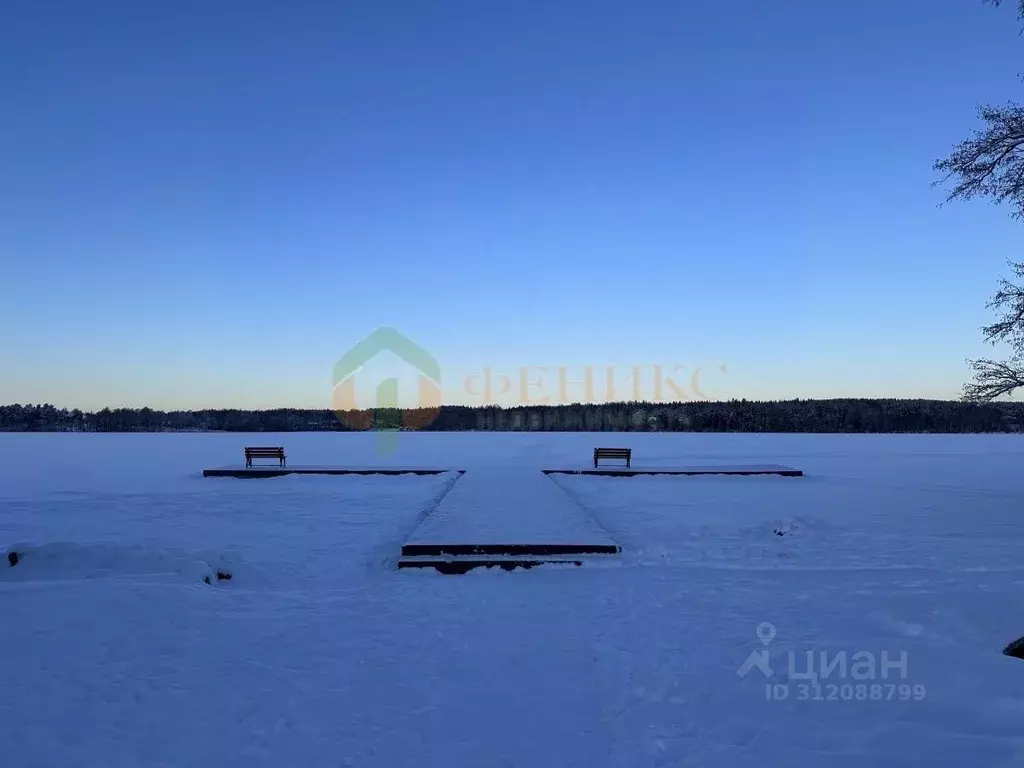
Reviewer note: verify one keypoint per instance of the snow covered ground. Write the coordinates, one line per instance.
(895, 554)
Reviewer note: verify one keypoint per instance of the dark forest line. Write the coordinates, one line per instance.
(834, 415)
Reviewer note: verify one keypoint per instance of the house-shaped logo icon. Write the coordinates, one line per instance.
(387, 339)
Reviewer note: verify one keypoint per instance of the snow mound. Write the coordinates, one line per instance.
(67, 561)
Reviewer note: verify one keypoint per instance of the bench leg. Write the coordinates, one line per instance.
(248, 463)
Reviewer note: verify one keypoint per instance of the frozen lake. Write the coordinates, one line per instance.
(902, 548)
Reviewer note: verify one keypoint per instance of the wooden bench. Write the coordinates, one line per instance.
(612, 453)
(265, 452)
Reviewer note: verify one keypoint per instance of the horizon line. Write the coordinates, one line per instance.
(511, 407)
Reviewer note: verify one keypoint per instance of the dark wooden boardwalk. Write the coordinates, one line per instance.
(271, 470)
(758, 469)
(543, 550)
(460, 565)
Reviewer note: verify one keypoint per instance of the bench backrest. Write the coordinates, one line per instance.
(263, 451)
(612, 452)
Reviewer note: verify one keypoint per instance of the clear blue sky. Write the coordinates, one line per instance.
(207, 203)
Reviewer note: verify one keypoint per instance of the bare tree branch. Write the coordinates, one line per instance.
(1020, 6)
(1009, 301)
(993, 379)
(991, 162)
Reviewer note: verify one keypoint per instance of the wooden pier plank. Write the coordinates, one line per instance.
(274, 471)
(754, 469)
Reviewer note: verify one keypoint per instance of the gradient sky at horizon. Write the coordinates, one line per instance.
(206, 204)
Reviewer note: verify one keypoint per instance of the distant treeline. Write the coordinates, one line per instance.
(840, 415)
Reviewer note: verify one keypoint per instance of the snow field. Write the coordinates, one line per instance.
(113, 652)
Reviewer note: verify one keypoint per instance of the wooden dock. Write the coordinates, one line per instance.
(507, 518)
(460, 565)
(275, 471)
(754, 469)
(504, 517)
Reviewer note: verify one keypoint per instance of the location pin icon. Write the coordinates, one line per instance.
(765, 632)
